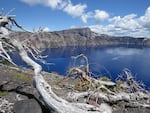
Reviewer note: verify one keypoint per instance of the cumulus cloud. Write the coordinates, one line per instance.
(51, 3)
(97, 15)
(75, 10)
(64, 5)
(119, 31)
(101, 15)
(145, 19)
(73, 27)
(85, 16)
(32, 2)
(129, 25)
(67, 6)
(46, 29)
(127, 22)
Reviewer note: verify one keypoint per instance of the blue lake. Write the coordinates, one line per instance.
(104, 61)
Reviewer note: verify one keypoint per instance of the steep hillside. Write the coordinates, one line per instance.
(77, 37)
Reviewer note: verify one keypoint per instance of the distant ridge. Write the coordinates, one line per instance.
(78, 37)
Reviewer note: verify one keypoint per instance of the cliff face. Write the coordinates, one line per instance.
(77, 37)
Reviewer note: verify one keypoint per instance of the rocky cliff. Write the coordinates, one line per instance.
(77, 37)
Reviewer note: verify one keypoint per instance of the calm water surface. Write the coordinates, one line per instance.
(108, 61)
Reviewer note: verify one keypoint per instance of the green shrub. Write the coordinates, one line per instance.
(3, 93)
(118, 83)
(5, 62)
(118, 86)
(21, 76)
(105, 79)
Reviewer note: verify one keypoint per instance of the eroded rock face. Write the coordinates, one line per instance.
(77, 37)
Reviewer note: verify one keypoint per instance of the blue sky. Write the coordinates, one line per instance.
(112, 17)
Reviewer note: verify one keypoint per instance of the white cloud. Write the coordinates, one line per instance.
(73, 27)
(129, 25)
(101, 15)
(145, 19)
(127, 22)
(32, 2)
(119, 31)
(75, 10)
(64, 5)
(51, 3)
(46, 29)
(98, 15)
(67, 6)
(85, 16)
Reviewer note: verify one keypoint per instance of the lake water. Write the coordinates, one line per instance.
(104, 61)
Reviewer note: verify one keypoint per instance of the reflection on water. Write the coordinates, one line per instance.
(107, 61)
(121, 51)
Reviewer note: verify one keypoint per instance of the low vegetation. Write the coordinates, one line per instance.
(5, 62)
(21, 76)
(3, 93)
